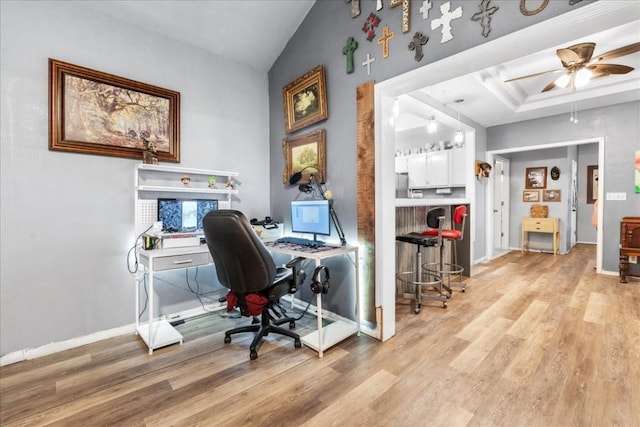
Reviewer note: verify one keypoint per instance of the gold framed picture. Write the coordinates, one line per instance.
(305, 100)
(92, 112)
(530, 196)
(535, 178)
(551, 195)
(305, 154)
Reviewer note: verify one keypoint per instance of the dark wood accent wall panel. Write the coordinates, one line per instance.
(366, 196)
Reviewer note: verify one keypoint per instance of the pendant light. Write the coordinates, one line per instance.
(459, 135)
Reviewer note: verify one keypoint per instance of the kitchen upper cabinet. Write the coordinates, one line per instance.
(437, 169)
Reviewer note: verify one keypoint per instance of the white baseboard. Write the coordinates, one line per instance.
(55, 347)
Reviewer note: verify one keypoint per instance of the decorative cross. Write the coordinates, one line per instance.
(370, 24)
(416, 44)
(384, 40)
(355, 7)
(445, 20)
(379, 4)
(367, 63)
(348, 49)
(424, 10)
(484, 16)
(406, 12)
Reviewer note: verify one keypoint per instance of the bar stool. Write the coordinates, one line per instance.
(413, 284)
(451, 235)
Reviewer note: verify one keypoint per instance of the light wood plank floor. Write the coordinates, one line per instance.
(536, 340)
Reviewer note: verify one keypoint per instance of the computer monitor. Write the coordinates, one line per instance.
(184, 215)
(311, 217)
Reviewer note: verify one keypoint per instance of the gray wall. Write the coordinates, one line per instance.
(620, 126)
(67, 219)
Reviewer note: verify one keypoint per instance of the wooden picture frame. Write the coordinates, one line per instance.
(551, 195)
(531, 196)
(92, 112)
(305, 100)
(535, 178)
(592, 183)
(306, 154)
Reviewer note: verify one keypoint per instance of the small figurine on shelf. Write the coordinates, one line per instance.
(212, 181)
(186, 180)
(229, 185)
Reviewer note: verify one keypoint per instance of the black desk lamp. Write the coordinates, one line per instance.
(308, 188)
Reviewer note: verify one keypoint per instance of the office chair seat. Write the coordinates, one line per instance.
(245, 267)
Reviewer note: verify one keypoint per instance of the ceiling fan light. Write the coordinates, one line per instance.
(582, 77)
(563, 80)
(432, 125)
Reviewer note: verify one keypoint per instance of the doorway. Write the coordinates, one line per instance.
(501, 202)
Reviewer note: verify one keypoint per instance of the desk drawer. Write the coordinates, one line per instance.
(540, 225)
(181, 261)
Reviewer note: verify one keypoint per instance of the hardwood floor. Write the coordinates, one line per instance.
(535, 340)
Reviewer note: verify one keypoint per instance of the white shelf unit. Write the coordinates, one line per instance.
(152, 182)
(157, 181)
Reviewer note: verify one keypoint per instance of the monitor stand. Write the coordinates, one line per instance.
(316, 241)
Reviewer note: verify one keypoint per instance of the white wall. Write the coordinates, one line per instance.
(67, 219)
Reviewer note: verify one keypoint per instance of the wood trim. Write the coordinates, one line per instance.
(366, 215)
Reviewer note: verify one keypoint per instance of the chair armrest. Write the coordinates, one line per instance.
(298, 274)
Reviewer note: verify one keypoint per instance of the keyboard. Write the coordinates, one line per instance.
(299, 241)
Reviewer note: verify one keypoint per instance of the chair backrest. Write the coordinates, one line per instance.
(459, 218)
(435, 216)
(243, 263)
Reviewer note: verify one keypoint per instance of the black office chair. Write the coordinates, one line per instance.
(245, 266)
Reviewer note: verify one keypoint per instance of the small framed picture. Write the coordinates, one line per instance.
(305, 154)
(530, 196)
(551, 195)
(535, 178)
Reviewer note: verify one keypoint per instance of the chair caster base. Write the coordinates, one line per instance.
(227, 339)
(253, 355)
(297, 343)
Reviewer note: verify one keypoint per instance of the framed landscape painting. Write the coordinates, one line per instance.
(305, 100)
(92, 112)
(305, 154)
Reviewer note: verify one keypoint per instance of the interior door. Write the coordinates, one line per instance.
(500, 204)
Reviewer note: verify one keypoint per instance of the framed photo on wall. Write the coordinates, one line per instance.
(305, 100)
(592, 183)
(92, 112)
(531, 196)
(305, 154)
(551, 195)
(535, 178)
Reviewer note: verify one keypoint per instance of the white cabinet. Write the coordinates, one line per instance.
(402, 164)
(457, 167)
(437, 169)
(159, 181)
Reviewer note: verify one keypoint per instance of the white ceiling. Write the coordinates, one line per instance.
(250, 32)
(255, 33)
(489, 101)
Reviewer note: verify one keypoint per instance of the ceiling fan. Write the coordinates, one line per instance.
(580, 65)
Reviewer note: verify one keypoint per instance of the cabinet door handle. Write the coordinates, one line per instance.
(186, 261)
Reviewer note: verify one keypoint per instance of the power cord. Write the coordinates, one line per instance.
(135, 253)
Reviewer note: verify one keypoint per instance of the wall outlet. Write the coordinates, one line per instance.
(616, 196)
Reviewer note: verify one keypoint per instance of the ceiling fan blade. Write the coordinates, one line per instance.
(616, 53)
(609, 69)
(550, 86)
(534, 75)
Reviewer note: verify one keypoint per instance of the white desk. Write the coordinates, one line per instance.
(160, 333)
(330, 335)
